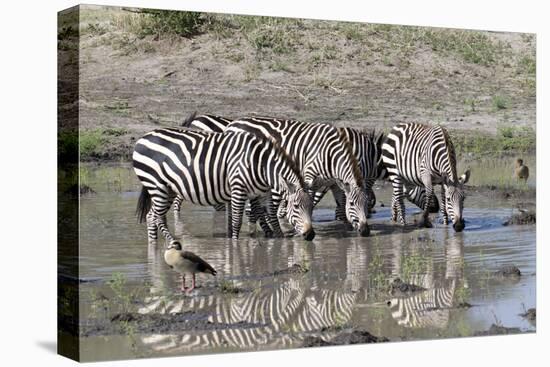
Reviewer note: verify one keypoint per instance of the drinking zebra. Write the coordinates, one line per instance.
(367, 149)
(215, 168)
(421, 155)
(324, 156)
(214, 123)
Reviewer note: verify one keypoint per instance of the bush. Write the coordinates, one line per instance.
(91, 142)
(180, 23)
(508, 140)
(499, 103)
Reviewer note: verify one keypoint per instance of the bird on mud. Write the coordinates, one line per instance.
(522, 171)
(186, 262)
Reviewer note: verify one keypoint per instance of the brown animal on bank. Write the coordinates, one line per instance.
(522, 172)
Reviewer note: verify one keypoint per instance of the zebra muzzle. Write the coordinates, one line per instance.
(363, 229)
(309, 235)
(459, 225)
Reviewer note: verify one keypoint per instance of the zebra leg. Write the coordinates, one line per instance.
(443, 207)
(370, 196)
(425, 221)
(258, 213)
(229, 221)
(238, 201)
(152, 229)
(393, 209)
(340, 212)
(273, 205)
(160, 220)
(177, 206)
(398, 198)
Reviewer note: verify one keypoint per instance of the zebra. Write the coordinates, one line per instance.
(367, 147)
(324, 156)
(422, 155)
(214, 168)
(217, 124)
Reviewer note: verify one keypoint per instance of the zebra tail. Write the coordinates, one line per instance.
(187, 122)
(143, 205)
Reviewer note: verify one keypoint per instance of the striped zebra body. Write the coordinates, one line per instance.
(211, 169)
(421, 155)
(210, 123)
(323, 155)
(417, 196)
(214, 123)
(366, 146)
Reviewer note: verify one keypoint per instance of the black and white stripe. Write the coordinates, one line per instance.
(421, 155)
(272, 317)
(215, 123)
(211, 169)
(324, 156)
(429, 308)
(367, 149)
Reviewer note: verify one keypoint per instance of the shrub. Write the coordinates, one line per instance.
(180, 23)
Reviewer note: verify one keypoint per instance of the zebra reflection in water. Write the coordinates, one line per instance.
(269, 311)
(430, 308)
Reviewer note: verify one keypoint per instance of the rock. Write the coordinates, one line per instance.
(498, 330)
(124, 317)
(294, 269)
(524, 217)
(345, 338)
(508, 271)
(398, 286)
(530, 314)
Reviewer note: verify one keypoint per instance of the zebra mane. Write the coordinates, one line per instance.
(187, 122)
(357, 175)
(376, 137)
(270, 141)
(450, 152)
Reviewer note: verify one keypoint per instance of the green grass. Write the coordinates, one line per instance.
(471, 46)
(67, 146)
(91, 142)
(500, 103)
(507, 140)
(527, 64)
(413, 265)
(499, 171)
(228, 287)
(170, 22)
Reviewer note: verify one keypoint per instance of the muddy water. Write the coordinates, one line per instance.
(260, 301)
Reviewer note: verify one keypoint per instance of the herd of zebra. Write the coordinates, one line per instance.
(285, 167)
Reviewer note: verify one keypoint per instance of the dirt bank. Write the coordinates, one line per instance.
(360, 75)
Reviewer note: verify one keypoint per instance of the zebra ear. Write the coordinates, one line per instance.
(290, 187)
(344, 186)
(445, 179)
(465, 177)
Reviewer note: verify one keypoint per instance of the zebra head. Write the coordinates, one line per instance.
(454, 192)
(356, 207)
(297, 206)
